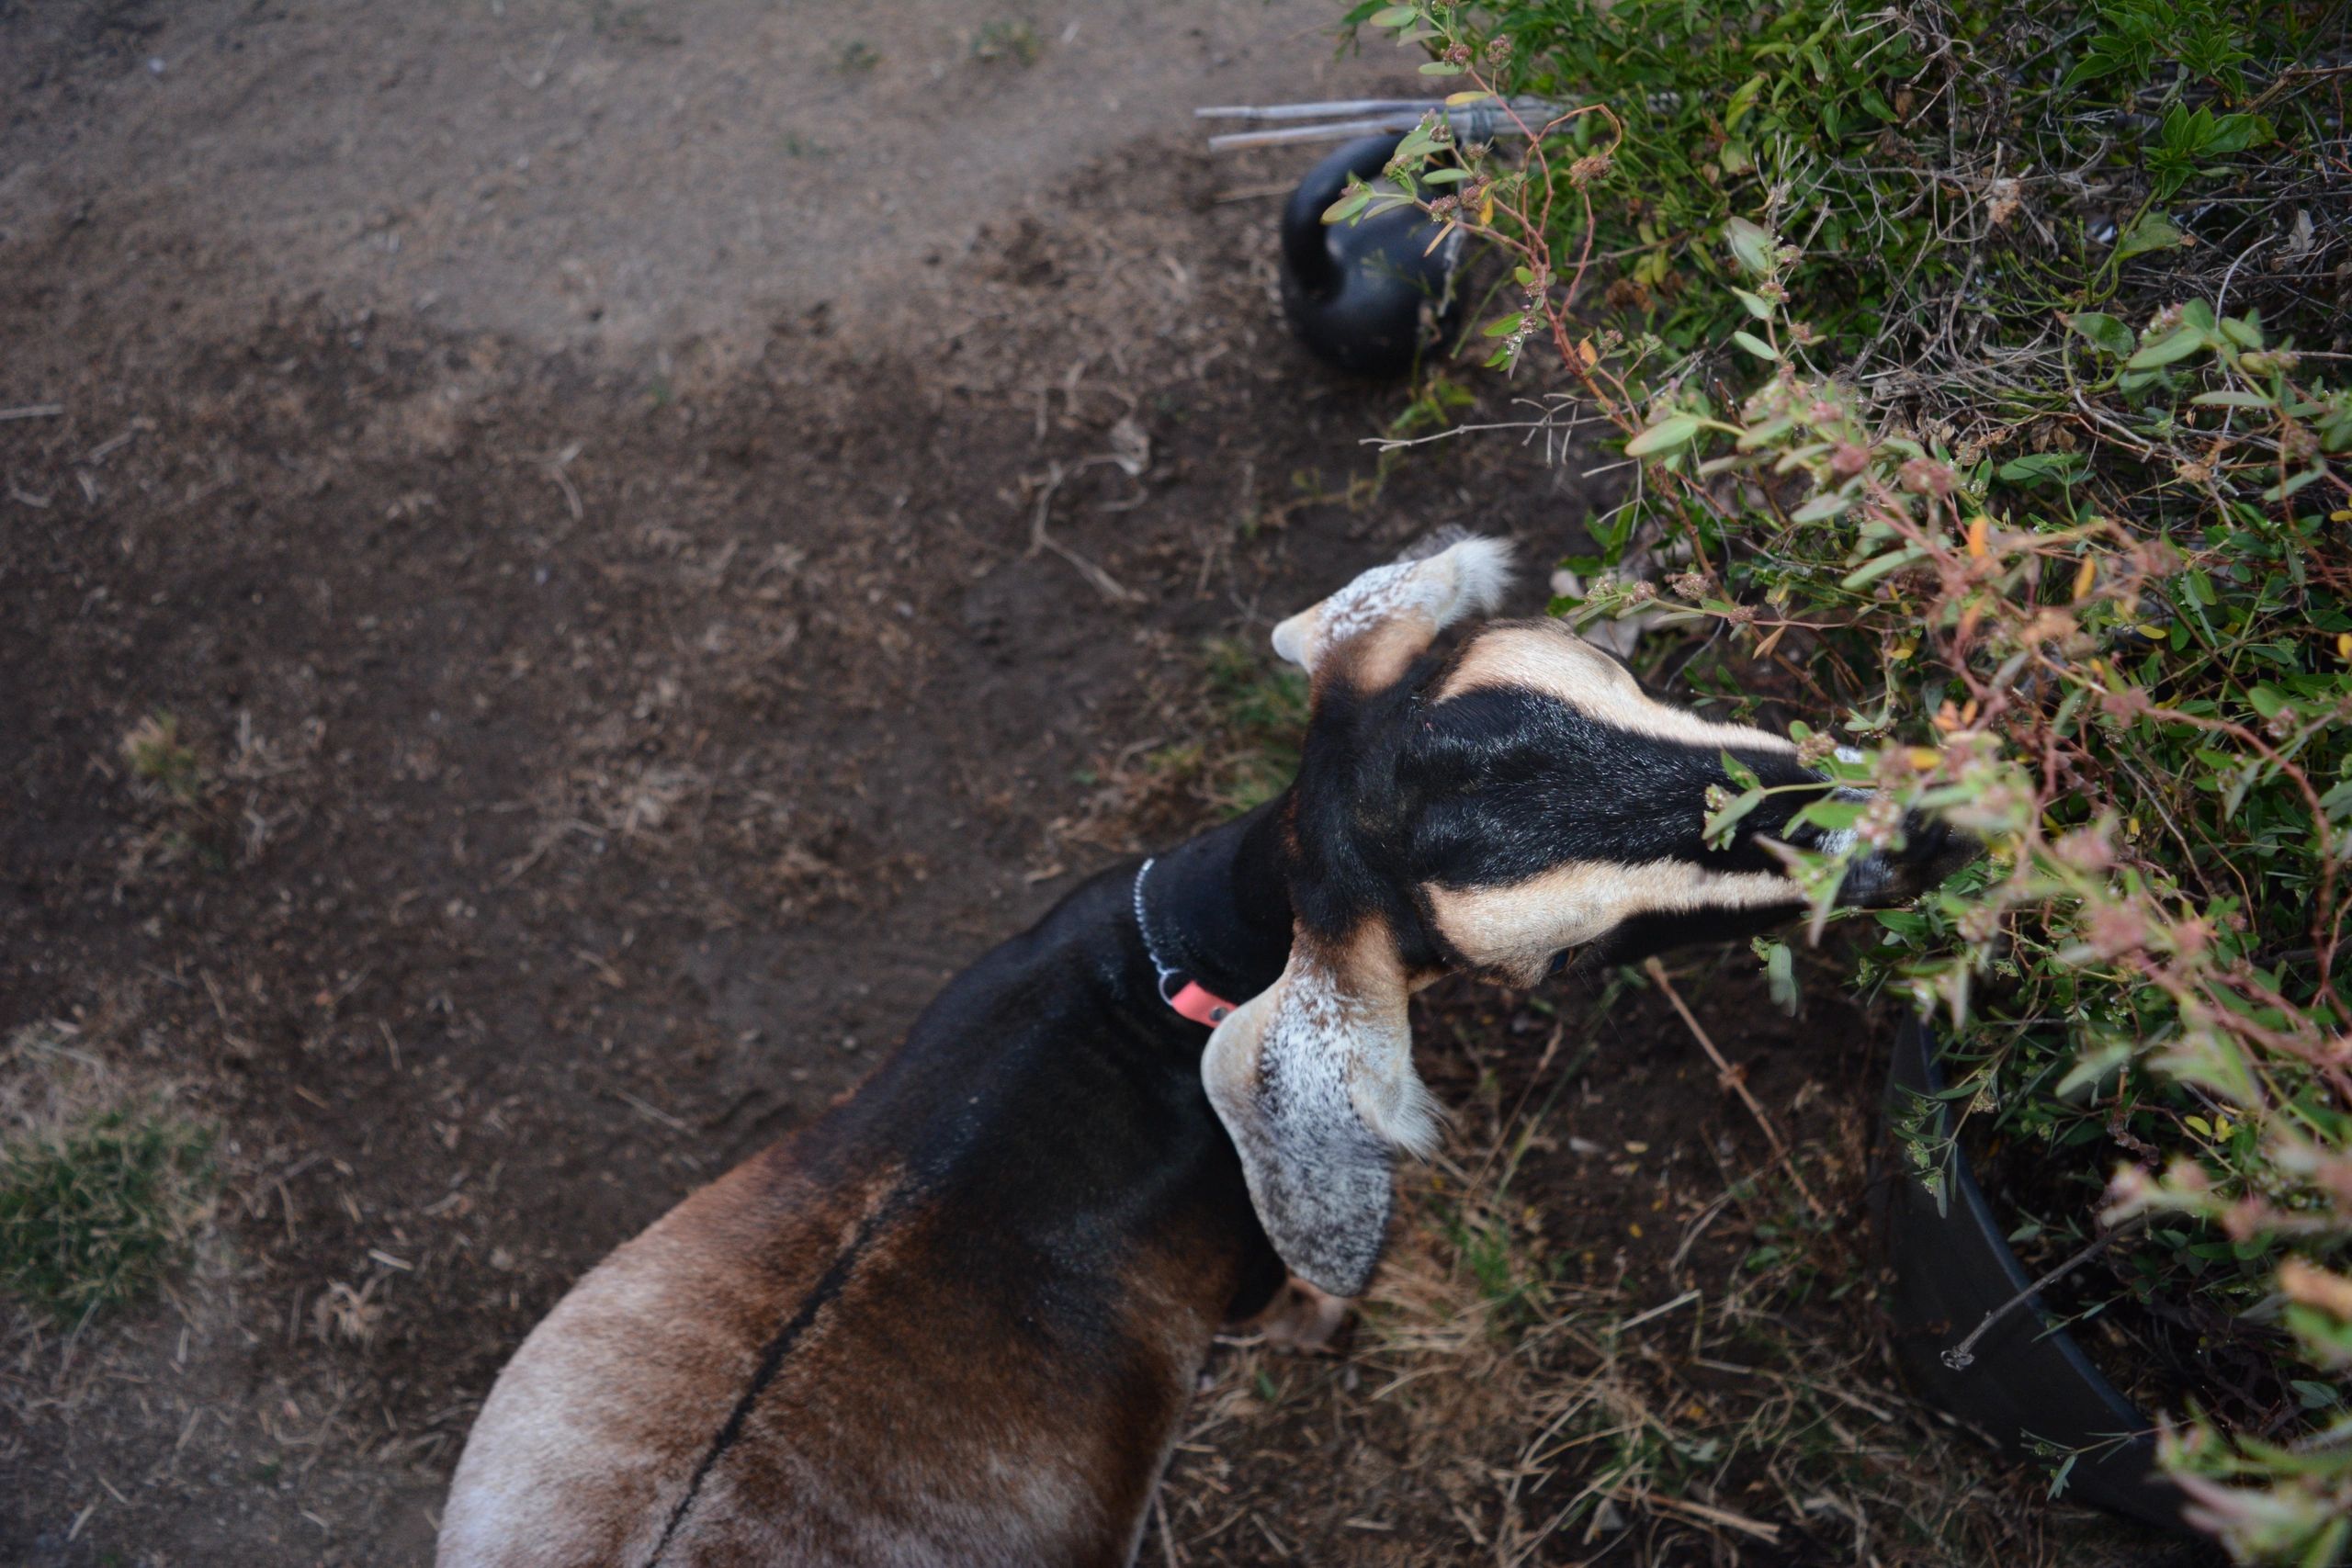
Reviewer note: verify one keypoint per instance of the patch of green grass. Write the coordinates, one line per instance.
(856, 57)
(1437, 399)
(159, 758)
(1261, 715)
(1243, 721)
(1509, 1274)
(98, 1213)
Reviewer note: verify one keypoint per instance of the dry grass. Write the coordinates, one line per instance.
(161, 760)
(1225, 722)
(1718, 1391)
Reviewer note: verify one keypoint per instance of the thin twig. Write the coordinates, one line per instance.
(1685, 1298)
(555, 463)
(1961, 1355)
(1704, 1513)
(1167, 1538)
(1737, 1083)
(33, 410)
(1104, 582)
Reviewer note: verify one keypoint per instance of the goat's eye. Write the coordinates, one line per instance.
(1559, 962)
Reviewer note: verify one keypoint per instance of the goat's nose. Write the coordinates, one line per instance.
(1923, 835)
(1936, 846)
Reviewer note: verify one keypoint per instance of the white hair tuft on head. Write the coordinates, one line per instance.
(1401, 607)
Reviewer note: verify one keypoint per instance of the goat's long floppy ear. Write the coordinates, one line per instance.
(1386, 618)
(1314, 1078)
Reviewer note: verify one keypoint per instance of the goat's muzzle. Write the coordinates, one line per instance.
(1931, 849)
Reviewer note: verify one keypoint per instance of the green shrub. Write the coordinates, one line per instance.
(1959, 344)
(2125, 667)
(99, 1212)
(1942, 167)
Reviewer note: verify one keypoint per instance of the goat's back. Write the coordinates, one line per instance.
(953, 1322)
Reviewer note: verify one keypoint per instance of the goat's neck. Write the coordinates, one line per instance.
(1219, 907)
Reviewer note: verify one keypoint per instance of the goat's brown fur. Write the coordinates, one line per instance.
(956, 1320)
(916, 1416)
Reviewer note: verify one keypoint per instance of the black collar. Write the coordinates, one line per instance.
(1177, 989)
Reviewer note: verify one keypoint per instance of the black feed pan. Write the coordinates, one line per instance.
(1366, 296)
(2029, 1386)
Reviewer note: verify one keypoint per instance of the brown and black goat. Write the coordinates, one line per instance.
(956, 1321)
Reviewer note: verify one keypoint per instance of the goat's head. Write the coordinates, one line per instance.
(1495, 811)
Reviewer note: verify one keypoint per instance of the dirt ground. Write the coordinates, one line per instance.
(574, 472)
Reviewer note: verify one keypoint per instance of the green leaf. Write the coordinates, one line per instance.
(1669, 435)
(2174, 345)
(2104, 333)
(1504, 327)
(2245, 334)
(2036, 468)
(1745, 776)
(1717, 830)
(2288, 487)
(2154, 231)
(1780, 976)
(1755, 345)
(1395, 16)
(2234, 133)
(1822, 507)
(1829, 814)
(2093, 66)
(1872, 571)
(2231, 400)
(1440, 68)
(1757, 306)
(2093, 1068)
(1743, 99)
(1751, 246)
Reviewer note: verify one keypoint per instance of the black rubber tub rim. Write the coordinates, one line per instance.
(2028, 1385)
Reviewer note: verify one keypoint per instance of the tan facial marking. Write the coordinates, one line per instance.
(1546, 656)
(1517, 928)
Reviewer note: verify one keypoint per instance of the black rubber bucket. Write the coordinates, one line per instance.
(2029, 1385)
(1370, 296)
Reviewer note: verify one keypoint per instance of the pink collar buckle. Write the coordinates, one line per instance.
(1197, 1003)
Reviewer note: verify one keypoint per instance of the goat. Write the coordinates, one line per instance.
(957, 1319)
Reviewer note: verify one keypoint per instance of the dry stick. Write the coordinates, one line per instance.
(1103, 581)
(1706, 1514)
(1503, 1133)
(1961, 1355)
(1738, 1085)
(1167, 1540)
(33, 410)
